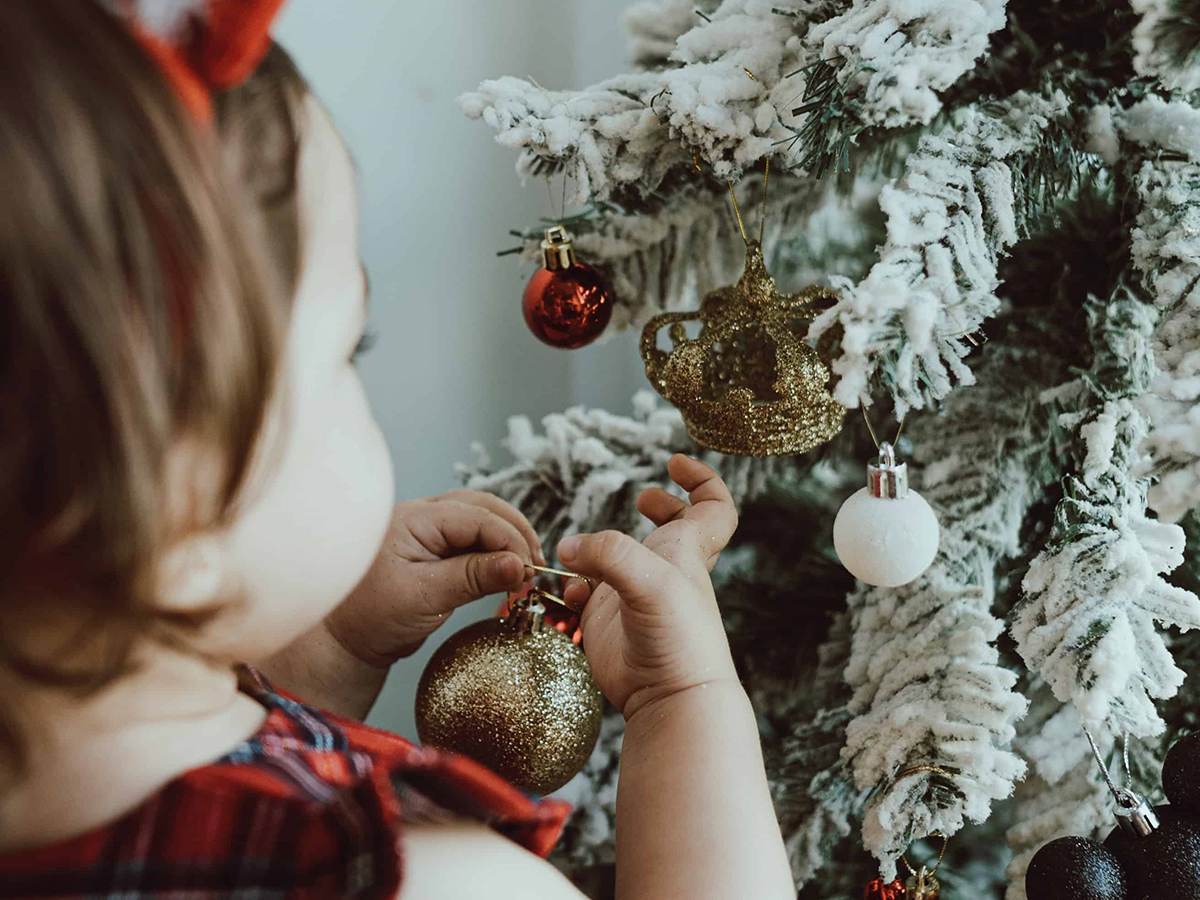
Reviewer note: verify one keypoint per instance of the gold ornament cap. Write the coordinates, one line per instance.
(923, 886)
(558, 251)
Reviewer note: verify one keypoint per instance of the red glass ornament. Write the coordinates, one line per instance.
(567, 303)
(878, 889)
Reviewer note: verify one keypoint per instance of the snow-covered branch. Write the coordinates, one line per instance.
(1167, 42)
(929, 687)
(1166, 254)
(1087, 621)
(897, 55)
(950, 217)
(586, 471)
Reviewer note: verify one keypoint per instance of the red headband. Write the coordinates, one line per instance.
(203, 45)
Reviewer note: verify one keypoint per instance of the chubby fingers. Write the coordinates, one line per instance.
(712, 510)
(504, 510)
(637, 573)
(660, 507)
(448, 528)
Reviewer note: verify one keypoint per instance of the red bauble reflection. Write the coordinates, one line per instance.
(878, 889)
(567, 307)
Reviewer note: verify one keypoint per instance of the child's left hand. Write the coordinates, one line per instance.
(440, 553)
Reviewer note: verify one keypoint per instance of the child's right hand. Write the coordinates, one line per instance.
(653, 629)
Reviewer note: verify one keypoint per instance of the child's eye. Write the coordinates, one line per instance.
(365, 343)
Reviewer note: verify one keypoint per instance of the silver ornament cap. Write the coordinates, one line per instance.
(1134, 813)
(887, 478)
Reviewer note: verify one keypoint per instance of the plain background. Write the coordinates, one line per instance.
(454, 359)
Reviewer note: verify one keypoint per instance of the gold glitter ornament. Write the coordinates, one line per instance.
(747, 383)
(514, 694)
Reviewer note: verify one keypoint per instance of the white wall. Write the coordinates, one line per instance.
(438, 196)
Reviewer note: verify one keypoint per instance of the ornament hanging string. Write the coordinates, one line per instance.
(937, 770)
(871, 430)
(762, 222)
(1124, 797)
(937, 865)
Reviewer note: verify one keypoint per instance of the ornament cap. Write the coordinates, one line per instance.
(1135, 815)
(923, 886)
(887, 478)
(527, 615)
(558, 251)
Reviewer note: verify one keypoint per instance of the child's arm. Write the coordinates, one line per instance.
(694, 816)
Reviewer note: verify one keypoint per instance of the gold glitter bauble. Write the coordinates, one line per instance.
(516, 695)
(748, 383)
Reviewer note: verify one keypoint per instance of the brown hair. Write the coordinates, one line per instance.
(135, 309)
(261, 126)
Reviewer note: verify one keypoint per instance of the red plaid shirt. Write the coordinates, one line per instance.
(311, 806)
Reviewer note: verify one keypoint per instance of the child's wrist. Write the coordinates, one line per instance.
(644, 713)
(323, 672)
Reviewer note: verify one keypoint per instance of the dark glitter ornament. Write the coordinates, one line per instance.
(1181, 773)
(1165, 864)
(1074, 868)
(516, 695)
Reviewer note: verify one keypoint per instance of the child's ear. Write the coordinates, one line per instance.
(192, 574)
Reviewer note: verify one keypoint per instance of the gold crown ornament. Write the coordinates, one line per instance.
(747, 384)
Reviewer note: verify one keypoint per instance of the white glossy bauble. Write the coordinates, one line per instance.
(885, 541)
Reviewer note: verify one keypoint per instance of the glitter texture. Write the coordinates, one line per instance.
(748, 383)
(515, 695)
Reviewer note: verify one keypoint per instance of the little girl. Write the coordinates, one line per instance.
(196, 499)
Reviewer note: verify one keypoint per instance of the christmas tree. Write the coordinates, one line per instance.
(1006, 199)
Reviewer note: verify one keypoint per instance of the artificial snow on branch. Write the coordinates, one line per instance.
(1167, 42)
(929, 687)
(1092, 597)
(720, 101)
(894, 56)
(949, 218)
(585, 472)
(1166, 254)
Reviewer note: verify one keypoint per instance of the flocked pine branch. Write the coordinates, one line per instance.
(586, 471)
(1092, 596)
(929, 686)
(1166, 254)
(720, 100)
(1167, 42)
(950, 217)
(893, 57)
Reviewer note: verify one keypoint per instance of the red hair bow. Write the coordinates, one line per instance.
(203, 45)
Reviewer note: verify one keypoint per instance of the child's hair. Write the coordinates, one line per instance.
(260, 124)
(138, 317)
